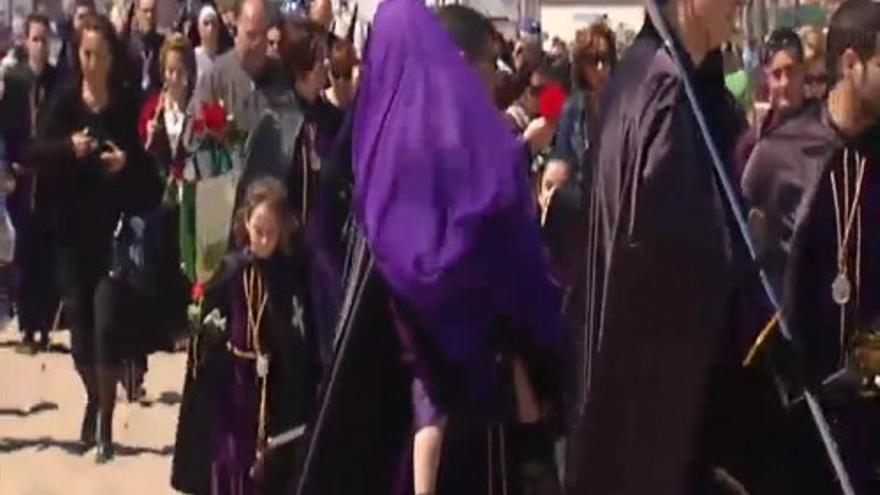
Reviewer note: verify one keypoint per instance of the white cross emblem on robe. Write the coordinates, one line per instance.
(297, 318)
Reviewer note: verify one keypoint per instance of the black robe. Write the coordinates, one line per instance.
(664, 286)
(293, 373)
(364, 445)
(776, 180)
(788, 187)
(363, 432)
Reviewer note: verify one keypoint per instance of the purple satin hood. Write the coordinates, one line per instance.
(442, 193)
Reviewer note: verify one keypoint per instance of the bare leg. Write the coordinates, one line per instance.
(528, 409)
(427, 447)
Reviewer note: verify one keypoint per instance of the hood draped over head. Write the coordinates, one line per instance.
(441, 189)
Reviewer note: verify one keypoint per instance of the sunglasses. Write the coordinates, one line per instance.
(597, 58)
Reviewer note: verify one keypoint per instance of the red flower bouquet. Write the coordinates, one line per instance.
(214, 121)
(215, 132)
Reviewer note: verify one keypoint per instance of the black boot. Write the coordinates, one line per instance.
(90, 416)
(105, 452)
(88, 430)
(28, 344)
(45, 342)
(107, 379)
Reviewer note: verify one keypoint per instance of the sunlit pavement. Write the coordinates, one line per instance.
(41, 404)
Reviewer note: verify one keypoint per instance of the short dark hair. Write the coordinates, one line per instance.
(343, 59)
(471, 31)
(89, 4)
(35, 18)
(782, 39)
(855, 25)
(303, 41)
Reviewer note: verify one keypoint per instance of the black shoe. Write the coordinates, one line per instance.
(88, 428)
(45, 343)
(28, 345)
(105, 450)
(27, 348)
(105, 453)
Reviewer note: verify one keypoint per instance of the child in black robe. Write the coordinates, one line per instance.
(250, 367)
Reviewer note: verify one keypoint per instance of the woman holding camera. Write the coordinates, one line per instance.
(93, 169)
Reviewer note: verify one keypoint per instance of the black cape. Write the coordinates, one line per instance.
(362, 437)
(780, 177)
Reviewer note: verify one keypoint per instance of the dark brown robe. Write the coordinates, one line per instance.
(665, 278)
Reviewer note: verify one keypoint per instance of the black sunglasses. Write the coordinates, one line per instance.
(597, 58)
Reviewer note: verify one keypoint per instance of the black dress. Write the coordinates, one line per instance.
(83, 202)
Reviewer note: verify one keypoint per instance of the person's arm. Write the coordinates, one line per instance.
(207, 87)
(53, 145)
(6, 66)
(139, 185)
(562, 147)
(204, 92)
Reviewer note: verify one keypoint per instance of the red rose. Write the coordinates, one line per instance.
(176, 171)
(550, 102)
(198, 291)
(198, 126)
(215, 117)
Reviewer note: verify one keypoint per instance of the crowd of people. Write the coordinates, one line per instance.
(455, 262)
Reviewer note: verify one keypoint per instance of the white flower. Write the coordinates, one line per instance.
(193, 311)
(215, 319)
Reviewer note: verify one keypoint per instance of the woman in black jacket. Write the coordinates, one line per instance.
(93, 170)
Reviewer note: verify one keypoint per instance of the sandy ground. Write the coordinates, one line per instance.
(41, 404)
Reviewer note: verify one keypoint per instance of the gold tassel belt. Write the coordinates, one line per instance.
(241, 353)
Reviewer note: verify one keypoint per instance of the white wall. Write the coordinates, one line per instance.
(564, 20)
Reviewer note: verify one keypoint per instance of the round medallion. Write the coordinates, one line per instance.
(262, 366)
(841, 289)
